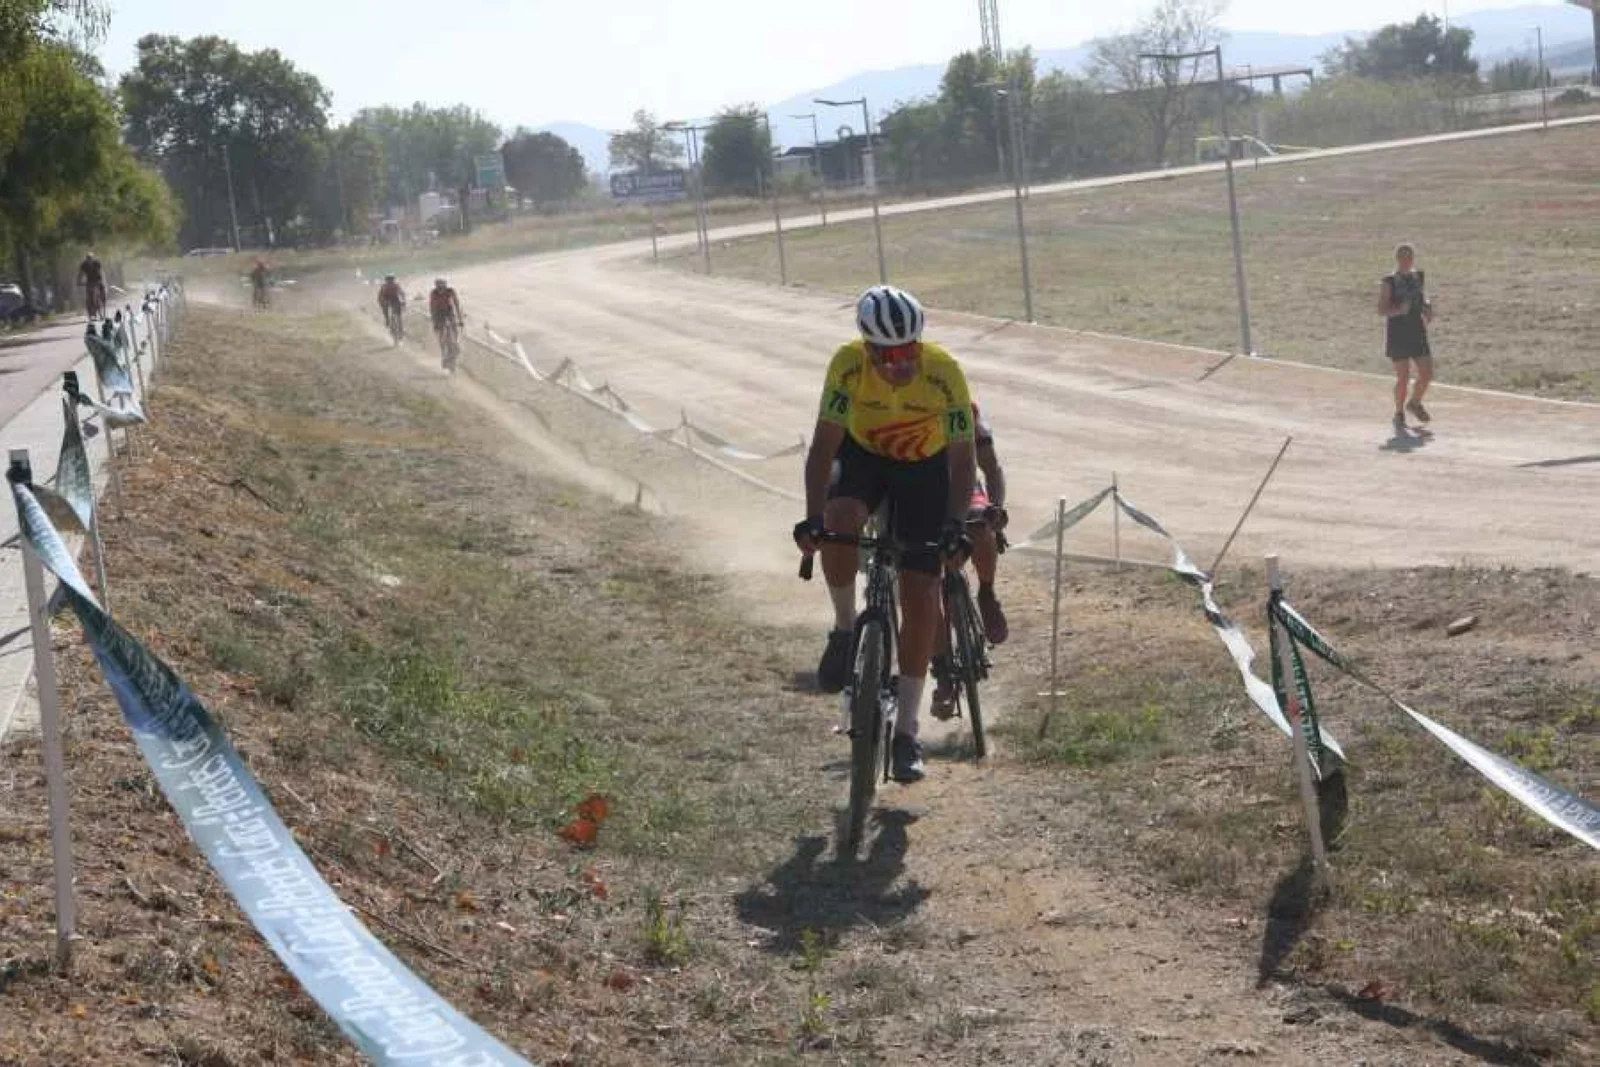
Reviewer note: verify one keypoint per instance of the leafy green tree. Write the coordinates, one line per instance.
(427, 149)
(916, 148)
(65, 177)
(26, 23)
(738, 156)
(645, 146)
(1078, 130)
(542, 167)
(201, 108)
(1405, 50)
(1163, 92)
(1514, 75)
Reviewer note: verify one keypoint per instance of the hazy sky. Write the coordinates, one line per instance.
(535, 61)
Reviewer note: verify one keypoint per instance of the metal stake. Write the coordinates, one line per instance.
(1055, 622)
(1116, 522)
(1302, 753)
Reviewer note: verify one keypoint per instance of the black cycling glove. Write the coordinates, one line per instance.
(953, 540)
(808, 529)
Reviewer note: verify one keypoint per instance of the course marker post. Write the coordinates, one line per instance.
(55, 764)
(1055, 621)
(1302, 753)
(1116, 522)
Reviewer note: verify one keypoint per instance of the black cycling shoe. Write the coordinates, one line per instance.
(906, 766)
(834, 670)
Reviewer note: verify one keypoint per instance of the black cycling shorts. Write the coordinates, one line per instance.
(918, 492)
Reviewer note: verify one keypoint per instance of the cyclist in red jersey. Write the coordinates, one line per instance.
(988, 517)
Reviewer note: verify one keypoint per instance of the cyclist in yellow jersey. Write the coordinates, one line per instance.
(897, 417)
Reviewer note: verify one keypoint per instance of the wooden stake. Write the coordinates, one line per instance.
(55, 766)
(1055, 622)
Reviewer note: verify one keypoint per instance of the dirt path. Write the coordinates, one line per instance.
(1051, 962)
(1072, 408)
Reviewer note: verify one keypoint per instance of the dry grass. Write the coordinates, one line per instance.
(1445, 892)
(1507, 228)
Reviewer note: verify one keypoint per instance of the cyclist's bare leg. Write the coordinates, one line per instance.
(985, 553)
(919, 624)
(839, 562)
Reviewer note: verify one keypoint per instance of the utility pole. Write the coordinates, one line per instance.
(233, 207)
(872, 151)
(1544, 82)
(816, 165)
(777, 217)
(989, 23)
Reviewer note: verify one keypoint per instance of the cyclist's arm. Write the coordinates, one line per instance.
(963, 472)
(994, 478)
(825, 442)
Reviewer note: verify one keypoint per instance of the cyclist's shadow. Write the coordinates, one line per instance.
(829, 896)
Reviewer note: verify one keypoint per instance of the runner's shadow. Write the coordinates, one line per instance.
(1406, 441)
(1495, 1052)
(805, 892)
(1289, 916)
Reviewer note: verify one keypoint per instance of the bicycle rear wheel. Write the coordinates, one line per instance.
(967, 632)
(866, 723)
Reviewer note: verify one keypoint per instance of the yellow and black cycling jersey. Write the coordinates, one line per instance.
(907, 423)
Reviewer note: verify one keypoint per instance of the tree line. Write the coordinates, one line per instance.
(66, 177)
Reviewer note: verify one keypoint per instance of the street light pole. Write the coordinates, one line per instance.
(233, 208)
(702, 228)
(1233, 199)
(1544, 82)
(777, 217)
(816, 165)
(877, 223)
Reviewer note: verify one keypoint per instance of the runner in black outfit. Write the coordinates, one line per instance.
(1402, 302)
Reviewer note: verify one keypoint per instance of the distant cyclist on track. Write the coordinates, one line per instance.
(444, 308)
(92, 276)
(897, 416)
(392, 301)
(986, 518)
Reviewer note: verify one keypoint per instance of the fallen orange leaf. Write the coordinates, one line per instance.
(381, 846)
(595, 808)
(620, 980)
(1373, 990)
(465, 902)
(581, 832)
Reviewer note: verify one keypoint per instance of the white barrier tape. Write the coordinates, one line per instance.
(1550, 802)
(733, 451)
(115, 418)
(1232, 635)
(383, 1008)
(113, 377)
(74, 483)
(1047, 533)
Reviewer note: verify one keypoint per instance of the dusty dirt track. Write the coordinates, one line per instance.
(1504, 479)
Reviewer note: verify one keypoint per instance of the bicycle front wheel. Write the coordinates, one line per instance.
(866, 723)
(968, 633)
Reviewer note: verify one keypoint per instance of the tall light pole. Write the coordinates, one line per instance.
(1544, 82)
(1013, 122)
(1233, 200)
(816, 164)
(877, 224)
(233, 207)
(691, 137)
(777, 217)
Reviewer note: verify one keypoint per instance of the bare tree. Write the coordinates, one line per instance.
(1161, 91)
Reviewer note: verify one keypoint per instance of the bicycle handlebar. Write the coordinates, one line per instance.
(829, 537)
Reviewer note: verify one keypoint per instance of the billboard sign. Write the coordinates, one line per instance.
(490, 169)
(657, 187)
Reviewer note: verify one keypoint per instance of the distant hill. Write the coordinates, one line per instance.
(1498, 34)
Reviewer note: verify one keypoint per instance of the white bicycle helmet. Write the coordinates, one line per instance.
(888, 316)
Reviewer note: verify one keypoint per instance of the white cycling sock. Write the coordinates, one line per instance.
(844, 605)
(910, 697)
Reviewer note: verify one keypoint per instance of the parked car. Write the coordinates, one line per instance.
(14, 306)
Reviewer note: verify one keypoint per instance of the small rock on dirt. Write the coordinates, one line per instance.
(1461, 625)
(1234, 1048)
